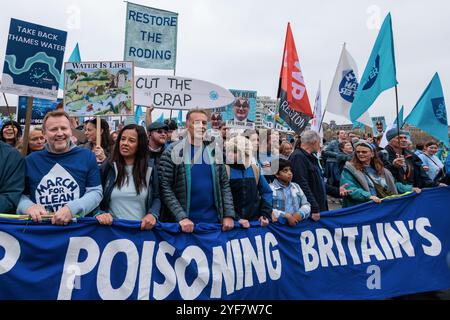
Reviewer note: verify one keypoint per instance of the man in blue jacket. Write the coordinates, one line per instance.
(12, 178)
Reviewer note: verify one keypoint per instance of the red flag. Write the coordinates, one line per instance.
(292, 78)
(295, 107)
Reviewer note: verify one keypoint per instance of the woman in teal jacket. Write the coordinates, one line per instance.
(367, 178)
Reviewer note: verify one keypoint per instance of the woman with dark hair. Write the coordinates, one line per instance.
(130, 181)
(114, 136)
(367, 178)
(11, 133)
(90, 130)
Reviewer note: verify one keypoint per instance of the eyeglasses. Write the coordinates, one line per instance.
(161, 131)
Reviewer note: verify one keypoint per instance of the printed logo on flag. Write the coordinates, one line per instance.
(348, 86)
(373, 74)
(439, 110)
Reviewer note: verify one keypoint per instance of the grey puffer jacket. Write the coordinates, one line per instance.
(175, 181)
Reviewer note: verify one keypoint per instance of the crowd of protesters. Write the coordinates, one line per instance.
(205, 173)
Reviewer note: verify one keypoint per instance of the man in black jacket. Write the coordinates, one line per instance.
(308, 173)
(12, 178)
(193, 185)
(404, 165)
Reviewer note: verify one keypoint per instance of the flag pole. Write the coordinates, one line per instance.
(174, 74)
(398, 120)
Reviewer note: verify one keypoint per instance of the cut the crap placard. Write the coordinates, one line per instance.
(176, 93)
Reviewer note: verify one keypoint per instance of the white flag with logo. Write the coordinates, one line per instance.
(344, 87)
(315, 124)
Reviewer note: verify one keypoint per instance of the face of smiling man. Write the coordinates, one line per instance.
(241, 109)
(57, 131)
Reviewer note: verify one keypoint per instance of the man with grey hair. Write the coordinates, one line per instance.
(307, 172)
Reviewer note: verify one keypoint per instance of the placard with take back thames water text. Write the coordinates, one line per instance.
(33, 61)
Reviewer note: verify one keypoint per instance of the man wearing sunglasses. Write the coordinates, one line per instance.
(241, 110)
(157, 138)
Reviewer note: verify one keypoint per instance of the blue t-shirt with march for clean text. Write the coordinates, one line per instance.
(53, 180)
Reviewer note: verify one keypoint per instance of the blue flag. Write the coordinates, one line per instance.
(430, 114)
(138, 114)
(74, 57)
(161, 118)
(380, 73)
(400, 118)
(180, 118)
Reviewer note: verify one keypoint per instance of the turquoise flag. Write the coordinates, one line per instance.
(380, 73)
(161, 118)
(400, 118)
(180, 118)
(430, 114)
(138, 115)
(74, 57)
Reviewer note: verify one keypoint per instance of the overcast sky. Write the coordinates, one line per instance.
(239, 43)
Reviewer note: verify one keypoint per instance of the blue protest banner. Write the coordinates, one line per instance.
(151, 37)
(366, 252)
(33, 61)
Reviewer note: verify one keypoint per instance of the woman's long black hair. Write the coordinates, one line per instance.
(140, 166)
(106, 141)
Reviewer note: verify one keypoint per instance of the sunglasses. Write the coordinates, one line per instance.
(161, 131)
